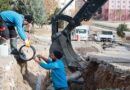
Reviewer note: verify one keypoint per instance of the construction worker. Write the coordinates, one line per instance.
(58, 74)
(8, 21)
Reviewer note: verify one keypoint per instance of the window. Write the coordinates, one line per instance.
(82, 30)
(107, 32)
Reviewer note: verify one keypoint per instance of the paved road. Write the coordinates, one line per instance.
(112, 25)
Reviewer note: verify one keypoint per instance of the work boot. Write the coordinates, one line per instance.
(14, 52)
(13, 45)
(22, 56)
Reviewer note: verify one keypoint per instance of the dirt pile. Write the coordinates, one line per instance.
(99, 74)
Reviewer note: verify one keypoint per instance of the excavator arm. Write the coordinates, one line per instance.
(61, 39)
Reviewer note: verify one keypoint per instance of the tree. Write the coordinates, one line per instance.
(34, 7)
(5, 5)
(120, 30)
(60, 22)
(51, 6)
(40, 12)
(20, 6)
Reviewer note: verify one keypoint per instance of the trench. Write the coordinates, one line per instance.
(36, 80)
(99, 75)
(33, 75)
(24, 71)
(93, 77)
(96, 70)
(102, 73)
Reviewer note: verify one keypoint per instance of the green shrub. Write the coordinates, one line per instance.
(120, 30)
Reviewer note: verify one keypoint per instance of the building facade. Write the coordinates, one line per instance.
(116, 10)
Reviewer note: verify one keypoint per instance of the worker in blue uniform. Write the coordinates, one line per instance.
(56, 65)
(12, 23)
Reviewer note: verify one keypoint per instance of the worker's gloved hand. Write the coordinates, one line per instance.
(37, 60)
(27, 43)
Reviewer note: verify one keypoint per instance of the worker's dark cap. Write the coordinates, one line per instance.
(29, 18)
(57, 54)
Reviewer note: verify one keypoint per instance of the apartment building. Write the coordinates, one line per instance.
(116, 10)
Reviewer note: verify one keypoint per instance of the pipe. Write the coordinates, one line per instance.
(74, 76)
(39, 82)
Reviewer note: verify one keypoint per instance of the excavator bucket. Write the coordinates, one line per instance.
(70, 57)
(61, 40)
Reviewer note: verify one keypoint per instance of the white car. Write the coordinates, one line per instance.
(105, 36)
(80, 33)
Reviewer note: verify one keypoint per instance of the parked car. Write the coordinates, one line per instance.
(105, 36)
(80, 33)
